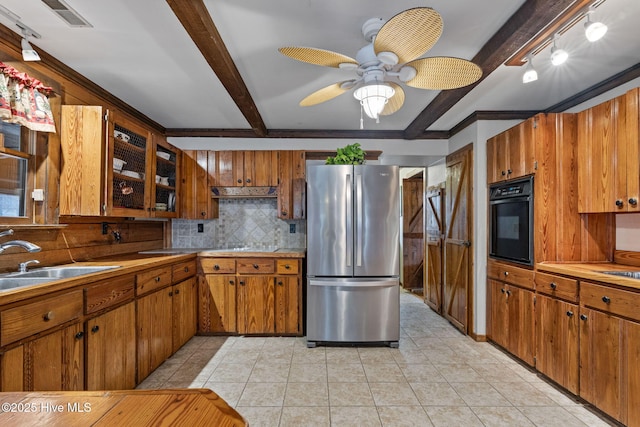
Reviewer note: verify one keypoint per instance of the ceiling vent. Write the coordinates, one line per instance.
(66, 12)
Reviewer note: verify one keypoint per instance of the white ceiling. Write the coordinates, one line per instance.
(139, 51)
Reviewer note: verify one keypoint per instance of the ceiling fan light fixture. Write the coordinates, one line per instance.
(373, 97)
(530, 74)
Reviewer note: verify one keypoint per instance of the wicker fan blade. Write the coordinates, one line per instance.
(409, 34)
(443, 72)
(322, 57)
(395, 102)
(325, 94)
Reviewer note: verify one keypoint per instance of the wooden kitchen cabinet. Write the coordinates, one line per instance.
(255, 305)
(608, 163)
(109, 165)
(185, 315)
(246, 168)
(511, 154)
(51, 362)
(155, 330)
(511, 308)
(291, 184)
(197, 176)
(557, 348)
(165, 165)
(252, 295)
(111, 349)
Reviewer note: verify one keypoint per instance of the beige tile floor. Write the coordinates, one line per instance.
(437, 377)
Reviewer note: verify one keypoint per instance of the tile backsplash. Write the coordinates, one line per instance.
(241, 222)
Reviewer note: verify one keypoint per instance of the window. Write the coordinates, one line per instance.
(16, 145)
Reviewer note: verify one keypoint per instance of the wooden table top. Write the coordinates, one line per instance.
(184, 407)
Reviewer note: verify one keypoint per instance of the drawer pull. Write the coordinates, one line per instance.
(506, 273)
(606, 299)
(158, 279)
(79, 335)
(48, 316)
(570, 313)
(186, 269)
(256, 266)
(287, 267)
(95, 329)
(553, 286)
(216, 267)
(583, 317)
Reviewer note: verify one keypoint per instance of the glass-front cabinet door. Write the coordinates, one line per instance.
(128, 172)
(164, 183)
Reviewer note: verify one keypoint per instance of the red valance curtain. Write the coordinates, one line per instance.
(24, 100)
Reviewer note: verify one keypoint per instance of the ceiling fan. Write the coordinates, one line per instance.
(388, 60)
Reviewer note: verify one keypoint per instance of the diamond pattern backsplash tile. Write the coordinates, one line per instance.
(241, 222)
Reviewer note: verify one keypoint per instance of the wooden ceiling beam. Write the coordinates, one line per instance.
(532, 17)
(195, 18)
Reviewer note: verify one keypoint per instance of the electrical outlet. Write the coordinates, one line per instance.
(105, 228)
(292, 228)
(200, 228)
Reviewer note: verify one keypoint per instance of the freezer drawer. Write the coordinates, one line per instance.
(353, 310)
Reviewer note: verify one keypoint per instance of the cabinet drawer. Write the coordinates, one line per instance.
(557, 286)
(255, 265)
(610, 300)
(150, 280)
(29, 319)
(183, 270)
(108, 293)
(218, 265)
(287, 266)
(510, 274)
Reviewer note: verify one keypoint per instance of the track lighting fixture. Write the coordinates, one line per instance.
(28, 52)
(530, 74)
(558, 56)
(594, 30)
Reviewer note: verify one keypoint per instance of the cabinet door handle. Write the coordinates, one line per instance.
(508, 293)
(509, 171)
(239, 181)
(216, 267)
(553, 286)
(95, 329)
(570, 313)
(203, 213)
(79, 335)
(231, 282)
(606, 299)
(48, 316)
(502, 290)
(583, 317)
(633, 201)
(177, 291)
(248, 180)
(170, 294)
(503, 173)
(619, 203)
(241, 282)
(280, 282)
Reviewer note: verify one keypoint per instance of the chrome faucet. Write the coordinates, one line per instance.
(22, 267)
(27, 246)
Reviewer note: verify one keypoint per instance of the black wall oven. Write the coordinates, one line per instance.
(511, 221)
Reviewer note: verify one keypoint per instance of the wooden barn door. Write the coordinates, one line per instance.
(458, 255)
(412, 234)
(434, 211)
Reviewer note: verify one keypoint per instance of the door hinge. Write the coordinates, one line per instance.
(106, 116)
(535, 165)
(534, 300)
(535, 123)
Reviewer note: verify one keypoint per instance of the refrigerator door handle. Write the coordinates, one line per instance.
(359, 225)
(349, 221)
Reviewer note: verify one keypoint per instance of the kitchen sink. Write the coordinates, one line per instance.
(47, 274)
(631, 274)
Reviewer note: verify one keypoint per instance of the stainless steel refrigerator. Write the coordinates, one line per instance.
(353, 266)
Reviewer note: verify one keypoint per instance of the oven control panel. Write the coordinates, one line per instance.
(520, 188)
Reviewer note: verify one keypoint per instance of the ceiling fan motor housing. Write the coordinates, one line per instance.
(371, 27)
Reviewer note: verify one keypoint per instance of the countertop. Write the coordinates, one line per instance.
(593, 271)
(226, 253)
(188, 407)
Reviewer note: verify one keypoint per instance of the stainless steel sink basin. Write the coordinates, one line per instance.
(631, 274)
(47, 274)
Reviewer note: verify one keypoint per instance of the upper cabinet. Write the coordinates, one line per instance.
(609, 167)
(246, 168)
(198, 174)
(291, 184)
(511, 154)
(112, 166)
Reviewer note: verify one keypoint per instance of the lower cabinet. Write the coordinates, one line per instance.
(236, 299)
(111, 350)
(49, 363)
(185, 315)
(512, 319)
(154, 320)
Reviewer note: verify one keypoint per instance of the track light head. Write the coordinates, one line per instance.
(28, 52)
(594, 31)
(530, 74)
(558, 56)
